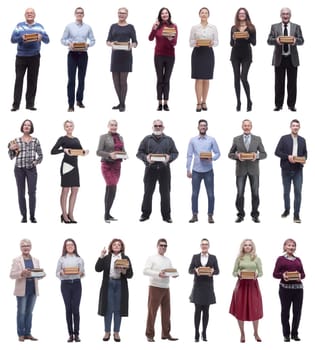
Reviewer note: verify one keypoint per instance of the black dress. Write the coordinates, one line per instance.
(203, 291)
(121, 60)
(69, 170)
(241, 48)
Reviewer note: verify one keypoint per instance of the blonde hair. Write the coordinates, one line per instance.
(241, 250)
(289, 240)
(68, 121)
(25, 241)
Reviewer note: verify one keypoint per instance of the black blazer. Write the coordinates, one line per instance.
(203, 291)
(284, 149)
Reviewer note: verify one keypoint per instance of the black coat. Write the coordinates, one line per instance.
(203, 292)
(103, 264)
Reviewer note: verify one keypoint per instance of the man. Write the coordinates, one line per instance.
(157, 151)
(28, 154)
(159, 293)
(285, 58)
(78, 36)
(26, 289)
(28, 35)
(203, 149)
(247, 150)
(292, 151)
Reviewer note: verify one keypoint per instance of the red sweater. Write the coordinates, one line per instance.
(164, 46)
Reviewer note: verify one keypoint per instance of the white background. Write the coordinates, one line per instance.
(91, 233)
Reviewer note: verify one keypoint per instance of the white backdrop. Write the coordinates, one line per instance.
(91, 233)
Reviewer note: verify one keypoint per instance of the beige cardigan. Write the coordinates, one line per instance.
(20, 282)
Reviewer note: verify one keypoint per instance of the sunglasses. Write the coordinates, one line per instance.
(163, 245)
(158, 126)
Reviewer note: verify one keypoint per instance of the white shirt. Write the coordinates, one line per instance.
(113, 273)
(204, 259)
(208, 32)
(289, 46)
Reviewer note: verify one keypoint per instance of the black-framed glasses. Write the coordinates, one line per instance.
(163, 245)
(25, 246)
(79, 13)
(158, 126)
(122, 13)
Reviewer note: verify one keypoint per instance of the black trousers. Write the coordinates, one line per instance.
(152, 175)
(71, 291)
(31, 65)
(285, 69)
(163, 67)
(254, 186)
(290, 297)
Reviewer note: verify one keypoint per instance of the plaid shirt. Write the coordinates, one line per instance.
(26, 155)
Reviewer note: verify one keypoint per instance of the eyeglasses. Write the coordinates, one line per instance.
(122, 13)
(163, 245)
(79, 13)
(25, 246)
(158, 126)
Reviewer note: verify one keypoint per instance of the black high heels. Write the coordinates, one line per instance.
(62, 219)
(249, 106)
(238, 106)
(204, 106)
(72, 221)
(198, 108)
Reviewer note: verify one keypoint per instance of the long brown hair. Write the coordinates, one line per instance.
(248, 21)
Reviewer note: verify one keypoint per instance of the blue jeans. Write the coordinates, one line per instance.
(113, 305)
(77, 61)
(25, 306)
(295, 176)
(207, 178)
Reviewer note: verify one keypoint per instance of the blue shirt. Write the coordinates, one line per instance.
(78, 32)
(201, 143)
(28, 48)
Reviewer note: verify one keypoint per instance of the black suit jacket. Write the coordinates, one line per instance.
(284, 149)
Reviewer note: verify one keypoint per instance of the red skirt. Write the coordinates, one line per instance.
(246, 303)
(111, 172)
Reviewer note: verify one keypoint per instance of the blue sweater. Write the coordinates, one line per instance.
(28, 48)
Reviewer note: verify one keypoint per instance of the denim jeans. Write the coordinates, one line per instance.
(113, 305)
(25, 306)
(77, 61)
(207, 178)
(71, 291)
(295, 176)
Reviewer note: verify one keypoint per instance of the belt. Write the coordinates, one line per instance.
(114, 279)
(76, 280)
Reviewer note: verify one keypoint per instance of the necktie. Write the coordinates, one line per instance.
(285, 33)
(246, 142)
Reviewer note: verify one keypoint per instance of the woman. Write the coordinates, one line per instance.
(290, 289)
(109, 145)
(121, 60)
(69, 171)
(70, 269)
(28, 154)
(243, 34)
(203, 293)
(203, 37)
(164, 54)
(114, 295)
(26, 289)
(246, 304)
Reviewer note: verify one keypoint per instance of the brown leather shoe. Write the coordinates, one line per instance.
(30, 337)
(169, 337)
(21, 338)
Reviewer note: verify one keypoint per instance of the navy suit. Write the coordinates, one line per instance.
(291, 172)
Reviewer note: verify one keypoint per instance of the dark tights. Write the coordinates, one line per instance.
(240, 70)
(205, 318)
(109, 199)
(120, 84)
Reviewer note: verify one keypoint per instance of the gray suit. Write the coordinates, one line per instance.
(285, 64)
(247, 168)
